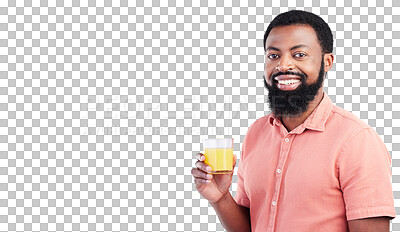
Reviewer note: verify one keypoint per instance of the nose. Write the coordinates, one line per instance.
(285, 64)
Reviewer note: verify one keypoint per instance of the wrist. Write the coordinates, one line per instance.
(223, 199)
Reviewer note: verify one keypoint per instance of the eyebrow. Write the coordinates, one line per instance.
(292, 48)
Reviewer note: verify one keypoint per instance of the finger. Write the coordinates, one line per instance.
(197, 173)
(200, 157)
(234, 160)
(200, 181)
(203, 166)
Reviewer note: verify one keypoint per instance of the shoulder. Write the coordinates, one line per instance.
(260, 124)
(346, 130)
(343, 120)
(353, 131)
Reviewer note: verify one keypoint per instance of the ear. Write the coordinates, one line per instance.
(328, 61)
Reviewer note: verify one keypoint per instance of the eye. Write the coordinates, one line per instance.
(272, 56)
(299, 55)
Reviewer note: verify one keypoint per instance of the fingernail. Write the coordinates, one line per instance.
(208, 169)
(208, 181)
(209, 176)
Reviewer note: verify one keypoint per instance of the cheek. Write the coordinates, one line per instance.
(311, 76)
(267, 74)
(267, 80)
(311, 70)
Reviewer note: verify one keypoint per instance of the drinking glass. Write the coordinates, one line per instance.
(219, 155)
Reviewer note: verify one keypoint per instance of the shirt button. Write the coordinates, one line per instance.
(279, 171)
(274, 203)
(286, 139)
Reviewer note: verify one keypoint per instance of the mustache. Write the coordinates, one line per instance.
(302, 75)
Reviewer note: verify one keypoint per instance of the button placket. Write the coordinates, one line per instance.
(278, 181)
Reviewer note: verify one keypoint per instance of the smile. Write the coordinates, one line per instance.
(288, 82)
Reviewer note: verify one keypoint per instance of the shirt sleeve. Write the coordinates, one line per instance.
(365, 176)
(241, 197)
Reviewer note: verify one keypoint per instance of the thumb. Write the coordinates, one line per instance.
(234, 161)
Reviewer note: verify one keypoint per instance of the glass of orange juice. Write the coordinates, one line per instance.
(219, 155)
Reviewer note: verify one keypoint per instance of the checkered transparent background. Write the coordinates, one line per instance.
(104, 103)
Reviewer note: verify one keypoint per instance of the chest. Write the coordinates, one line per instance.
(291, 165)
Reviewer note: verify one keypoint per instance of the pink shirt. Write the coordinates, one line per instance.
(330, 169)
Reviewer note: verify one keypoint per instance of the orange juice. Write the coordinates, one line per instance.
(220, 159)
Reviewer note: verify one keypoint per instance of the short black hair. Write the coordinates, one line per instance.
(293, 17)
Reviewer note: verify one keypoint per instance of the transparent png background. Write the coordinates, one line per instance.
(103, 104)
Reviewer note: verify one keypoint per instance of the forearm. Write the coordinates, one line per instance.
(233, 217)
(374, 224)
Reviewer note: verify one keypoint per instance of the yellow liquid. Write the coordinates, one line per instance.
(220, 159)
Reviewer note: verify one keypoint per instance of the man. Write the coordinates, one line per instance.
(309, 165)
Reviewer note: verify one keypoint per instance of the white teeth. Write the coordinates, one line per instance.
(288, 82)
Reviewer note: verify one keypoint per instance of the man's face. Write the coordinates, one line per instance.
(294, 69)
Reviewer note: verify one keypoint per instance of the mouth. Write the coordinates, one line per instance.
(287, 82)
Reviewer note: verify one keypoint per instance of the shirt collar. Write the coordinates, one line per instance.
(316, 120)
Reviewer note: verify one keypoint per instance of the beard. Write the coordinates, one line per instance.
(293, 103)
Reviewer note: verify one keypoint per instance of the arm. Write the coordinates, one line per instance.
(233, 217)
(365, 180)
(215, 188)
(375, 224)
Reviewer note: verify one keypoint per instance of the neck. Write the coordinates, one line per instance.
(291, 123)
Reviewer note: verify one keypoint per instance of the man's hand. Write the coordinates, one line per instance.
(215, 188)
(211, 187)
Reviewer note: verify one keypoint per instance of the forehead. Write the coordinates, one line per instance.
(288, 36)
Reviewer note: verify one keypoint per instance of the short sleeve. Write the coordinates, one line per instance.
(365, 176)
(241, 196)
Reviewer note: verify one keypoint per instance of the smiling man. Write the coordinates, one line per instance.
(309, 165)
